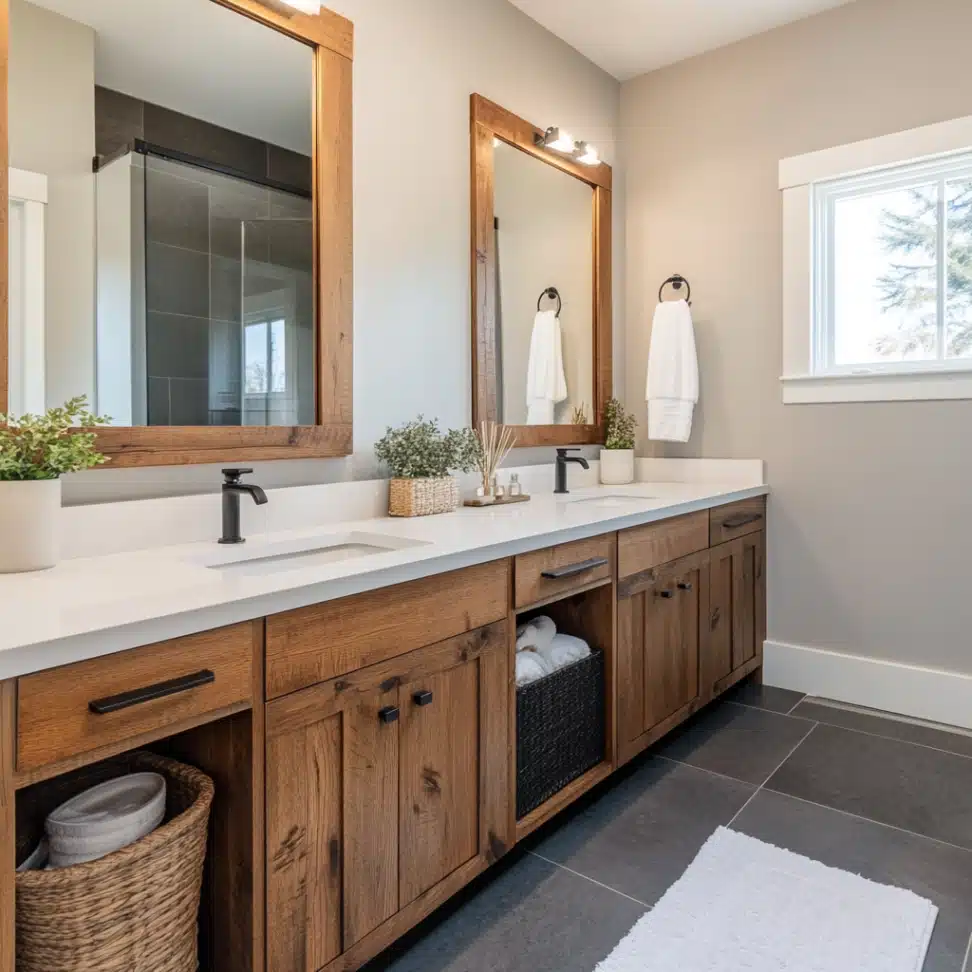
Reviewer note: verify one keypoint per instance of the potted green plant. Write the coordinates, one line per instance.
(34, 452)
(420, 458)
(617, 456)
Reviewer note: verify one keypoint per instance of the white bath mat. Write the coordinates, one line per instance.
(746, 906)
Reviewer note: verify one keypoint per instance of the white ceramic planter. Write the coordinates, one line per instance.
(617, 467)
(30, 525)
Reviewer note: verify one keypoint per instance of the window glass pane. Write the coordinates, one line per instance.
(958, 314)
(885, 277)
(278, 357)
(255, 351)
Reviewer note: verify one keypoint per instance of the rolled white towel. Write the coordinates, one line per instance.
(538, 633)
(530, 667)
(565, 649)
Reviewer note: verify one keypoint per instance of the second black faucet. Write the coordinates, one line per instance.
(233, 488)
(562, 460)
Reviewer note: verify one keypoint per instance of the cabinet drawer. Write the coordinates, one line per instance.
(318, 643)
(72, 710)
(557, 570)
(737, 520)
(642, 548)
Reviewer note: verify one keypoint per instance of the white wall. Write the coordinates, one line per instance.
(416, 64)
(870, 522)
(51, 105)
(546, 239)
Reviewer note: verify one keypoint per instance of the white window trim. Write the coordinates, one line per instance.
(797, 176)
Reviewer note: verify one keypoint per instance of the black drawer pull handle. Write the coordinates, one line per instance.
(114, 703)
(735, 522)
(422, 698)
(684, 587)
(572, 570)
(668, 595)
(389, 714)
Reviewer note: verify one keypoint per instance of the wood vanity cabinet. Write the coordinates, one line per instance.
(387, 791)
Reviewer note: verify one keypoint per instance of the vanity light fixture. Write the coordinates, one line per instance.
(558, 140)
(586, 154)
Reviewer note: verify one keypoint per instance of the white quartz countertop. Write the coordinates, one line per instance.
(94, 606)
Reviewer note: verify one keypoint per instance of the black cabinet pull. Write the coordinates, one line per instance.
(668, 595)
(735, 522)
(559, 573)
(422, 698)
(684, 587)
(114, 703)
(389, 714)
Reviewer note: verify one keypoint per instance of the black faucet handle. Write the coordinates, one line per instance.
(566, 449)
(233, 476)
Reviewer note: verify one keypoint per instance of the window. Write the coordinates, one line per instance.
(266, 358)
(878, 269)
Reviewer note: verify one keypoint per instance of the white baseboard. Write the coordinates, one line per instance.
(909, 690)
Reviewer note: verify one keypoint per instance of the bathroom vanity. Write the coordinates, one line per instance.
(363, 744)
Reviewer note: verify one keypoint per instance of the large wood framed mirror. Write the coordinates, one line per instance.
(541, 284)
(177, 243)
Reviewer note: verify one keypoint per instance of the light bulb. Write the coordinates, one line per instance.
(587, 154)
(312, 7)
(561, 141)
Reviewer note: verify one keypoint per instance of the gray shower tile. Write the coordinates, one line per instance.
(535, 917)
(190, 401)
(897, 783)
(639, 836)
(226, 289)
(940, 873)
(873, 722)
(177, 346)
(739, 741)
(177, 280)
(289, 167)
(118, 120)
(292, 244)
(158, 401)
(177, 211)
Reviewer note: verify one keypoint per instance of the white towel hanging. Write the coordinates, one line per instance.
(672, 390)
(546, 381)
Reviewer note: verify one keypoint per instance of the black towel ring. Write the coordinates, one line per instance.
(553, 294)
(676, 280)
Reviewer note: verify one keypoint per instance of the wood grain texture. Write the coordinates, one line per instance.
(54, 722)
(332, 37)
(744, 600)
(439, 798)
(532, 587)
(654, 544)
(8, 824)
(321, 642)
(487, 122)
(497, 740)
(752, 510)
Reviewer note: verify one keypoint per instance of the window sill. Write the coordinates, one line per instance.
(913, 386)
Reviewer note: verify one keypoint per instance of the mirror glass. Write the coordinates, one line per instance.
(161, 213)
(544, 239)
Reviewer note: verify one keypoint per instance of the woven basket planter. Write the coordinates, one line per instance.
(423, 497)
(136, 910)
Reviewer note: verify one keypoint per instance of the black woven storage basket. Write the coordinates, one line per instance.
(559, 730)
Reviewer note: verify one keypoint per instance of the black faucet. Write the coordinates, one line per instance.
(562, 460)
(232, 488)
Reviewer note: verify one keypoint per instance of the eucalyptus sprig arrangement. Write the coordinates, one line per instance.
(419, 450)
(620, 426)
(45, 446)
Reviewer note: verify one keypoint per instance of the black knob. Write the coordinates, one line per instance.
(422, 698)
(233, 476)
(389, 714)
(666, 594)
(684, 587)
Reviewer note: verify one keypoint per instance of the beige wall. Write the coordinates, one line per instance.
(51, 104)
(871, 519)
(545, 240)
(416, 64)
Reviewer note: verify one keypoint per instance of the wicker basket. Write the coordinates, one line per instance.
(559, 730)
(422, 497)
(136, 910)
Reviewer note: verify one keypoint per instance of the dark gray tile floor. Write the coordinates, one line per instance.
(853, 790)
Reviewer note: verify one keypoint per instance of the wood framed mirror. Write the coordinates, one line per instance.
(541, 255)
(177, 224)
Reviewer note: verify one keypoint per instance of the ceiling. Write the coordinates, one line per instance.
(630, 37)
(199, 58)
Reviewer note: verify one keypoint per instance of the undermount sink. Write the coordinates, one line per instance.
(317, 551)
(612, 501)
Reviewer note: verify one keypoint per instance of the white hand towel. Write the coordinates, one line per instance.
(565, 650)
(530, 667)
(673, 373)
(537, 633)
(546, 381)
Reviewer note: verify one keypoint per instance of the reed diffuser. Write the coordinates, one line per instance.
(494, 444)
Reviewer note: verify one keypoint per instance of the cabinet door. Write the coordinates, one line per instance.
(659, 615)
(737, 610)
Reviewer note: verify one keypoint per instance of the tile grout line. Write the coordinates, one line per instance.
(772, 712)
(871, 820)
(759, 789)
(796, 704)
(569, 870)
